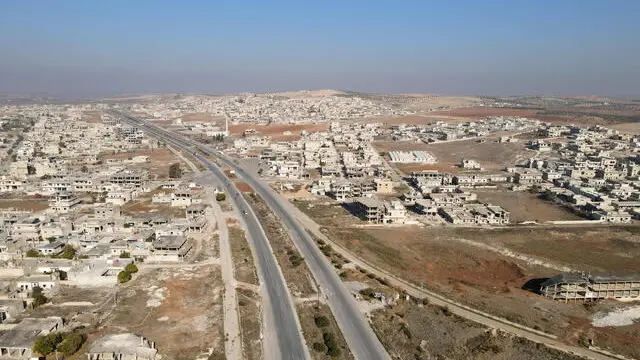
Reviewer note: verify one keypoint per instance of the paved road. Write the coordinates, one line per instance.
(282, 334)
(361, 339)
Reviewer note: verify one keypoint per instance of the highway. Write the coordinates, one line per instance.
(282, 333)
(362, 341)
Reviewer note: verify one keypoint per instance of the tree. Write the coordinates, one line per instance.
(124, 276)
(125, 255)
(131, 268)
(174, 171)
(46, 344)
(71, 343)
(68, 252)
(38, 297)
(33, 253)
(84, 169)
(220, 197)
(31, 170)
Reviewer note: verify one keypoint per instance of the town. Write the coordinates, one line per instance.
(100, 213)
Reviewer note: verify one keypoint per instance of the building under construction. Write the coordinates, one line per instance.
(581, 287)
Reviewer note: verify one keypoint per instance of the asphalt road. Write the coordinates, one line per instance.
(283, 336)
(361, 339)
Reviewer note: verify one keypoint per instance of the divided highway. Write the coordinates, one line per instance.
(362, 341)
(283, 336)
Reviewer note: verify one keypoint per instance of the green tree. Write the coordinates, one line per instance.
(46, 344)
(68, 252)
(131, 268)
(175, 171)
(220, 197)
(38, 297)
(31, 170)
(71, 343)
(125, 255)
(124, 276)
(84, 169)
(33, 253)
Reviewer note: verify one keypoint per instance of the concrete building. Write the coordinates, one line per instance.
(575, 287)
(17, 343)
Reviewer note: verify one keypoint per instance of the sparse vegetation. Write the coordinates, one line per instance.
(175, 172)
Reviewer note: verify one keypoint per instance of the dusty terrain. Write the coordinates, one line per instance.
(243, 265)
(525, 206)
(26, 203)
(276, 131)
(159, 161)
(488, 268)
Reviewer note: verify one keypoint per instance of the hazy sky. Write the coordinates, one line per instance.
(89, 48)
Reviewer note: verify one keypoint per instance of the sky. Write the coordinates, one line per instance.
(82, 48)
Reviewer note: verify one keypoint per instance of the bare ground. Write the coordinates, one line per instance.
(250, 323)
(525, 206)
(492, 281)
(243, 263)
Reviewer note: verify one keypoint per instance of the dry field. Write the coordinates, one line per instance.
(276, 131)
(250, 323)
(243, 187)
(202, 117)
(491, 155)
(145, 207)
(159, 161)
(25, 204)
(627, 128)
(465, 264)
(92, 117)
(525, 206)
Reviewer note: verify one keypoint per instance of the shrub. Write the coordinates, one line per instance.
(319, 347)
(321, 321)
(46, 344)
(220, 197)
(71, 343)
(33, 253)
(68, 252)
(131, 268)
(124, 276)
(125, 255)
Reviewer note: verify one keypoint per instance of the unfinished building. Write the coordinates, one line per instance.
(580, 287)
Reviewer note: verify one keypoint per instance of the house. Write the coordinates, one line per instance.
(29, 282)
(124, 346)
(528, 177)
(53, 248)
(470, 164)
(17, 343)
(383, 186)
(64, 202)
(370, 210)
(170, 248)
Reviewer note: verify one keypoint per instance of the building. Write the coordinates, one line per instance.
(17, 343)
(170, 248)
(63, 202)
(576, 287)
(384, 186)
(370, 210)
(124, 346)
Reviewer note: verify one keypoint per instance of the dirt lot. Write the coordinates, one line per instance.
(92, 117)
(159, 161)
(25, 204)
(450, 261)
(525, 206)
(276, 131)
(491, 155)
(202, 117)
(411, 331)
(145, 207)
(243, 265)
(167, 306)
(627, 128)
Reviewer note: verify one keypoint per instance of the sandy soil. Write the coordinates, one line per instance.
(92, 117)
(627, 128)
(201, 117)
(491, 155)
(159, 161)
